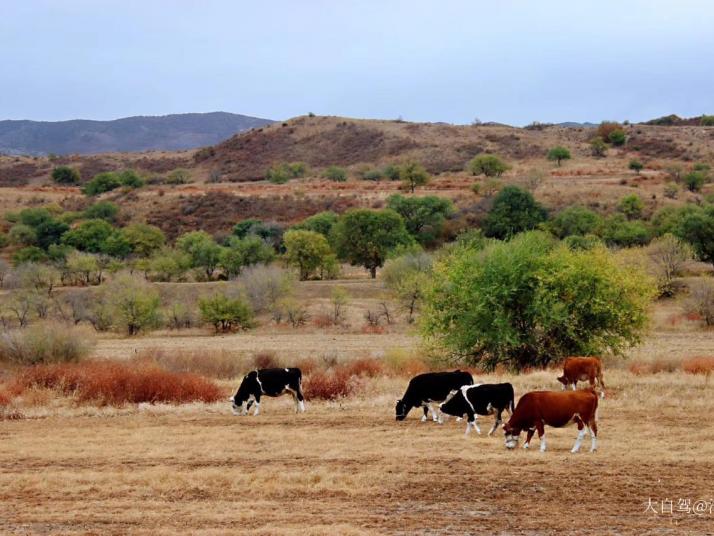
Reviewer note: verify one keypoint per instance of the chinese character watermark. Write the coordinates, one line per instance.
(680, 506)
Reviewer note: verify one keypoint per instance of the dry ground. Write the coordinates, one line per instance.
(351, 469)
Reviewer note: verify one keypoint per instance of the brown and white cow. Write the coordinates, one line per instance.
(557, 409)
(582, 369)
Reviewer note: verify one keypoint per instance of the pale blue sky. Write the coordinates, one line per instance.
(505, 60)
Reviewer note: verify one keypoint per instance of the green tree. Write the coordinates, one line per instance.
(322, 223)
(205, 253)
(144, 239)
(575, 220)
(365, 237)
(514, 210)
(65, 175)
(530, 301)
(423, 216)
(335, 173)
(4, 240)
(168, 265)
(28, 254)
(130, 178)
(178, 176)
(618, 231)
(696, 226)
(103, 210)
(134, 303)
(22, 235)
(413, 174)
(244, 252)
(102, 182)
(487, 164)
(636, 166)
(558, 154)
(90, 235)
(226, 314)
(631, 206)
(307, 251)
(707, 121)
(391, 172)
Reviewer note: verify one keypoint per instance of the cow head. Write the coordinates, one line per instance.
(242, 395)
(453, 405)
(563, 380)
(401, 410)
(512, 434)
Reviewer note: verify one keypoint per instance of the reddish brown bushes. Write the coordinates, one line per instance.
(699, 365)
(111, 383)
(329, 385)
(262, 360)
(365, 366)
(4, 399)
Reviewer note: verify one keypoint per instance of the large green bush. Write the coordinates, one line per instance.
(423, 216)
(226, 314)
(514, 210)
(531, 300)
(574, 220)
(487, 164)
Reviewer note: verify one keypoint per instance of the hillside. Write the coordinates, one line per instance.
(141, 133)
(227, 180)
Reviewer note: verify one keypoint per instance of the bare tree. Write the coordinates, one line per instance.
(668, 255)
(701, 300)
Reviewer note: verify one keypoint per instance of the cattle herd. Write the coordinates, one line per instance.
(458, 396)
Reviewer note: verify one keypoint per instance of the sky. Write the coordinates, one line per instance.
(511, 61)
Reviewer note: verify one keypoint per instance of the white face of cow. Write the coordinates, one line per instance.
(511, 441)
(235, 408)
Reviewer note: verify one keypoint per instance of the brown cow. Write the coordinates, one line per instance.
(582, 369)
(557, 409)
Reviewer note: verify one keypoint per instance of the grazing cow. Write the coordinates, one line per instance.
(557, 409)
(430, 387)
(268, 382)
(582, 369)
(480, 399)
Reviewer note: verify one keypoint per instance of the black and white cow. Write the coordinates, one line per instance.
(480, 399)
(268, 382)
(430, 387)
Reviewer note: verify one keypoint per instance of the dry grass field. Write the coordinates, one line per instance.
(349, 468)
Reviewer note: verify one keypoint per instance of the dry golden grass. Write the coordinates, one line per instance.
(348, 468)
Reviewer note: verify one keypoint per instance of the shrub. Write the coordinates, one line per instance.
(28, 254)
(617, 231)
(90, 235)
(514, 210)
(204, 252)
(391, 172)
(226, 314)
(278, 175)
(134, 304)
(265, 359)
(329, 385)
(701, 300)
(598, 147)
(45, 342)
(558, 154)
(695, 180)
(617, 137)
(178, 176)
(668, 255)
(103, 182)
(671, 190)
(220, 364)
(606, 128)
(335, 173)
(408, 277)
(631, 206)
(115, 384)
(696, 226)
(424, 217)
(413, 174)
(265, 286)
(404, 363)
(103, 210)
(372, 174)
(65, 175)
(699, 365)
(368, 367)
(707, 121)
(322, 223)
(529, 301)
(144, 239)
(636, 166)
(487, 164)
(574, 220)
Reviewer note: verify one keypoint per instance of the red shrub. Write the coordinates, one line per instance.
(112, 383)
(329, 385)
(699, 365)
(264, 359)
(306, 365)
(369, 329)
(4, 399)
(322, 321)
(365, 366)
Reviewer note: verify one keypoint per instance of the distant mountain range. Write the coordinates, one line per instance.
(130, 134)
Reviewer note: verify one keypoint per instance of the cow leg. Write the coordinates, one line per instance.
(495, 424)
(575, 385)
(245, 409)
(295, 398)
(471, 423)
(579, 440)
(257, 405)
(300, 398)
(529, 436)
(593, 435)
(426, 412)
(434, 415)
(602, 384)
(541, 436)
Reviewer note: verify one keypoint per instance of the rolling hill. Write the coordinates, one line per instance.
(129, 134)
